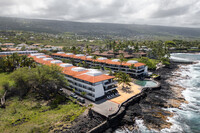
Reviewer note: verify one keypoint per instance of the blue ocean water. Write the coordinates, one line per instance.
(187, 119)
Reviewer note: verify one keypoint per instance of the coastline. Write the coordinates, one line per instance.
(151, 109)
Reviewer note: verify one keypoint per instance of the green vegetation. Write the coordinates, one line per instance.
(14, 61)
(34, 102)
(151, 63)
(62, 39)
(123, 78)
(30, 115)
(4, 77)
(43, 80)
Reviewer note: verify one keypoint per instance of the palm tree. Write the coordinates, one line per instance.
(94, 58)
(123, 78)
(74, 50)
(132, 66)
(10, 63)
(121, 60)
(80, 65)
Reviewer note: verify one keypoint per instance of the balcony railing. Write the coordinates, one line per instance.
(110, 87)
(110, 83)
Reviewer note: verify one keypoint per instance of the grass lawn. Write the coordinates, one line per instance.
(29, 115)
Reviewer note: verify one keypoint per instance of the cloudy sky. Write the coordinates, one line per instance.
(184, 13)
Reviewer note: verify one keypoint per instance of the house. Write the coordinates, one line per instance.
(8, 45)
(22, 45)
(194, 48)
(9, 49)
(36, 45)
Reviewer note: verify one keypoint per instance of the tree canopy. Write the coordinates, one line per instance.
(15, 61)
(45, 81)
(123, 78)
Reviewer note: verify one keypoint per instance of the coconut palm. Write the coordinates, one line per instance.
(121, 60)
(94, 58)
(13, 62)
(123, 78)
(132, 66)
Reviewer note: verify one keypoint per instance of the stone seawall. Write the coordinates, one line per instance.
(114, 119)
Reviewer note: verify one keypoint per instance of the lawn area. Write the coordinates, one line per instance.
(3, 78)
(30, 115)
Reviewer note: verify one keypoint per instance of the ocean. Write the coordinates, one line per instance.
(186, 119)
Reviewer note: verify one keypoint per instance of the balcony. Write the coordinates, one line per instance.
(110, 83)
(109, 88)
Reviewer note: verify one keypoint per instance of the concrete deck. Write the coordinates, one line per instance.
(126, 93)
(107, 107)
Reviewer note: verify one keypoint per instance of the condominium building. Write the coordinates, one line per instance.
(2, 54)
(19, 52)
(93, 82)
(138, 69)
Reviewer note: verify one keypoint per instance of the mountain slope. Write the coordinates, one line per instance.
(123, 30)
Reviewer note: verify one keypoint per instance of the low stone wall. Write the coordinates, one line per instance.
(113, 119)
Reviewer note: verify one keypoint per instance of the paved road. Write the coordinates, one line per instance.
(103, 106)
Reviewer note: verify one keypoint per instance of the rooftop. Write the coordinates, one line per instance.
(90, 75)
(103, 59)
(66, 65)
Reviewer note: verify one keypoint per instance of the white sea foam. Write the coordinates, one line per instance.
(187, 118)
(182, 119)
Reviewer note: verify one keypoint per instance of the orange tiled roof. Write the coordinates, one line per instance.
(93, 79)
(80, 75)
(9, 49)
(107, 61)
(11, 44)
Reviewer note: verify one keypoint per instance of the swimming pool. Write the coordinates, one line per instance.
(146, 83)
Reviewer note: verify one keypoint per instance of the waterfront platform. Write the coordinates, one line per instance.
(126, 92)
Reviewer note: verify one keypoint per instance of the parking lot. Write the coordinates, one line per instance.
(103, 106)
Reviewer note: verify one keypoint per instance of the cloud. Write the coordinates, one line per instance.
(171, 12)
(153, 12)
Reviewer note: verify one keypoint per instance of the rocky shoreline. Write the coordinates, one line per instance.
(151, 109)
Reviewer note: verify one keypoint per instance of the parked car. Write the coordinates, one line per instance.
(82, 100)
(73, 95)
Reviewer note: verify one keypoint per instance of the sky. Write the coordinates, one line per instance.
(183, 13)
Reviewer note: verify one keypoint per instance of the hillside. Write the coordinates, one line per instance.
(95, 29)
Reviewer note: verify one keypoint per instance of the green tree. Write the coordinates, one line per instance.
(94, 58)
(45, 81)
(121, 60)
(23, 48)
(123, 78)
(14, 61)
(132, 66)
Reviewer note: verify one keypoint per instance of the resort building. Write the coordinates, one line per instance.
(19, 52)
(94, 83)
(111, 54)
(137, 70)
